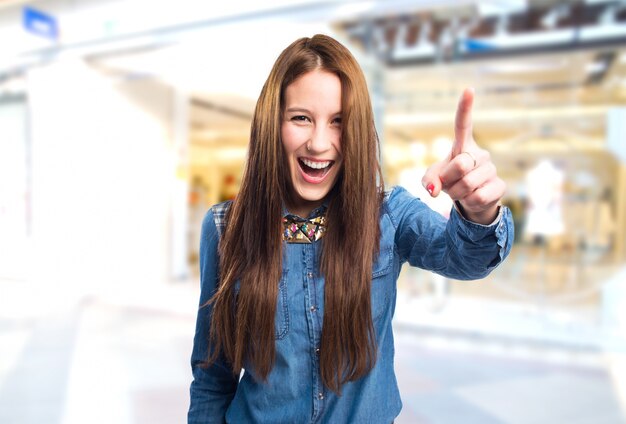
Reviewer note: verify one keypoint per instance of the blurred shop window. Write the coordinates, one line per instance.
(229, 188)
(197, 209)
(569, 228)
(545, 207)
(600, 224)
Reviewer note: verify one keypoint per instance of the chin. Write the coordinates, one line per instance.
(312, 196)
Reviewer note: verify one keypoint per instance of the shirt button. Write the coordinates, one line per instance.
(313, 308)
(320, 396)
(310, 275)
(317, 351)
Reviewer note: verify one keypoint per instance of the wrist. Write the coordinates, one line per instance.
(485, 217)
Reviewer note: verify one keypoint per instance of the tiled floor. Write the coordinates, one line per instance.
(122, 357)
(459, 386)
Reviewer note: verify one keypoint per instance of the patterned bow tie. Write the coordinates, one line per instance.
(300, 230)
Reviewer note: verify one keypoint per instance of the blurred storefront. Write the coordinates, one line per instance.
(549, 109)
(118, 136)
(123, 137)
(131, 133)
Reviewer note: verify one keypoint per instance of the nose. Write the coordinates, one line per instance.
(321, 139)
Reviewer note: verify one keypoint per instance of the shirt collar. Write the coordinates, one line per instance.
(320, 210)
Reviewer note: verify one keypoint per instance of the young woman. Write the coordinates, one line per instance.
(298, 273)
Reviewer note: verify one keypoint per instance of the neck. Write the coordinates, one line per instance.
(304, 207)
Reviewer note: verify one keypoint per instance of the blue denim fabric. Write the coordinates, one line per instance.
(293, 393)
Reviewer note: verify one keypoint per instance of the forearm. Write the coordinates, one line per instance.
(458, 248)
(211, 393)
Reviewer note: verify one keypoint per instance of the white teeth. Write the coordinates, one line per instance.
(316, 165)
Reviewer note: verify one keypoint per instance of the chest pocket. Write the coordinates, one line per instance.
(281, 318)
(381, 282)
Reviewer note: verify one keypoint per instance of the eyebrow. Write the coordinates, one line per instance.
(301, 109)
(298, 109)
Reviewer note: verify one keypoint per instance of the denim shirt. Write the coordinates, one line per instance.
(293, 393)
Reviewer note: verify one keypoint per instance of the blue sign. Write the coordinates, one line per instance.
(40, 23)
(472, 45)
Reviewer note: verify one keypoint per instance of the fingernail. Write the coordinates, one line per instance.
(430, 188)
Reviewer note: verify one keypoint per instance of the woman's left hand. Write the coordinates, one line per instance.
(468, 175)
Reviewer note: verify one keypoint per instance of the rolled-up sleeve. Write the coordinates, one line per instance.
(455, 247)
(213, 387)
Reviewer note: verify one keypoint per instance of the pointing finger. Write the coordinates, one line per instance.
(463, 122)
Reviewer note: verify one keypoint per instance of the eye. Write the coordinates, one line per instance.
(337, 121)
(300, 118)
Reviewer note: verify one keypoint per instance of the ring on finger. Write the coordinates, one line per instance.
(473, 158)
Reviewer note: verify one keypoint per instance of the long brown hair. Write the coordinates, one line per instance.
(242, 326)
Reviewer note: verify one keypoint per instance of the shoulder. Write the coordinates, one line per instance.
(216, 215)
(402, 207)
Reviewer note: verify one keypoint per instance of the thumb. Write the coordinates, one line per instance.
(431, 181)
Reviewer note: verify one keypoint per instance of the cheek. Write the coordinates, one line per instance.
(337, 143)
(291, 138)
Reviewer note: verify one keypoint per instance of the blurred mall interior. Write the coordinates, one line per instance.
(122, 122)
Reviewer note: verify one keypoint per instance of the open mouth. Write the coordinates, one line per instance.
(315, 170)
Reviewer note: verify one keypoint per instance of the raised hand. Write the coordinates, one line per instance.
(468, 175)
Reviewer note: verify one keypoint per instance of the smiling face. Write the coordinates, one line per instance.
(311, 136)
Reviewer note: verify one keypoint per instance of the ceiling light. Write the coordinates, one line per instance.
(523, 67)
